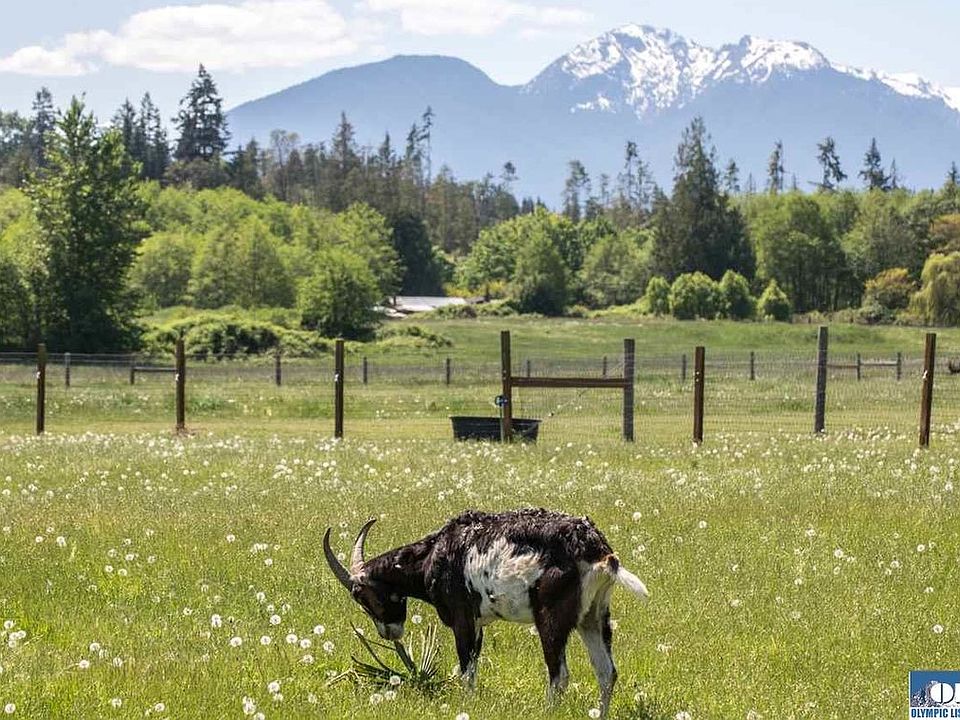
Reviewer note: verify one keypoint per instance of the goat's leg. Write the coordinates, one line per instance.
(597, 636)
(553, 640)
(469, 639)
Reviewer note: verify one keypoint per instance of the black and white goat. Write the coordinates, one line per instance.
(526, 566)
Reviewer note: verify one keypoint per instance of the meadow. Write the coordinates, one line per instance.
(146, 574)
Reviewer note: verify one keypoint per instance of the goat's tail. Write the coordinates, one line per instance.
(624, 578)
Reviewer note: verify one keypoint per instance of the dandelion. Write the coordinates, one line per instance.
(462, 716)
(683, 715)
(838, 553)
(702, 524)
(306, 643)
(216, 621)
(159, 707)
(265, 639)
(236, 641)
(273, 686)
(94, 647)
(84, 664)
(116, 703)
(291, 639)
(637, 516)
(921, 547)
(320, 629)
(593, 713)
(938, 629)
(328, 647)
(249, 706)
(395, 680)
(376, 698)
(307, 659)
(275, 620)
(390, 695)
(231, 538)
(416, 619)
(61, 541)
(9, 709)
(118, 662)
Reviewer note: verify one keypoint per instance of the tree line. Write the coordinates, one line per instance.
(103, 224)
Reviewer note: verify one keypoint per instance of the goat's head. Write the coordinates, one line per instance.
(378, 598)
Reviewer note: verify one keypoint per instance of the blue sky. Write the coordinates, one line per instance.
(108, 49)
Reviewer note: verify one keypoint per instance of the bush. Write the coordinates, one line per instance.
(540, 281)
(411, 336)
(938, 302)
(890, 289)
(339, 298)
(738, 303)
(656, 298)
(774, 303)
(695, 295)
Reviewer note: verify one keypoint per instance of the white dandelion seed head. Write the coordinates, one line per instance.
(376, 698)
(938, 629)
(116, 703)
(328, 647)
(275, 620)
(273, 686)
(9, 708)
(319, 629)
(593, 713)
(84, 664)
(390, 695)
(395, 680)
(292, 639)
(265, 640)
(416, 619)
(462, 716)
(249, 706)
(236, 641)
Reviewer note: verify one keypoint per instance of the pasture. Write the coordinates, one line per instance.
(792, 576)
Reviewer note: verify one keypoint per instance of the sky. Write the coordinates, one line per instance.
(107, 50)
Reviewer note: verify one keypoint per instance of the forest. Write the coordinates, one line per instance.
(103, 226)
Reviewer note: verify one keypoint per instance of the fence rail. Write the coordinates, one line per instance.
(757, 390)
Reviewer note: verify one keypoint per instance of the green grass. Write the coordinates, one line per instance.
(785, 569)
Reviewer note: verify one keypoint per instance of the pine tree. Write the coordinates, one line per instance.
(155, 153)
(952, 185)
(874, 178)
(243, 170)
(201, 122)
(575, 190)
(775, 171)
(894, 181)
(731, 178)
(827, 156)
(42, 124)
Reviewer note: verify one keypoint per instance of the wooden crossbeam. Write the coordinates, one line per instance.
(567, 382)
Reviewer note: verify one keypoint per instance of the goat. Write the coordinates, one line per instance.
(527, 566)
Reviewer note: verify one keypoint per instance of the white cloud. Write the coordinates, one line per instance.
(224, 36)
(474, 17)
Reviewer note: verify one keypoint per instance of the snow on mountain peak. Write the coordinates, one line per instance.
(644, 70)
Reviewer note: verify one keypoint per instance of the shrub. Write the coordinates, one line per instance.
(774, 303)
(938, 302)
(738, 303)
(890, 289)
(339, 298)
(656, 298)
(695, 295)
(412, 336)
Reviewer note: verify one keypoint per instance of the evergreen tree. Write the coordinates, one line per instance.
(697, 228)
(155, 153)
(894, 181)
(89, 213)
(874, 178)
(243, 170)
(827, 156)
(42, 124)
(952, 183)
(775, 171)
(125, 121)
(731, 178)
(576, 187)
(201, 122)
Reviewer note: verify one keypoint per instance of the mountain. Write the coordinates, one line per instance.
(635, 82)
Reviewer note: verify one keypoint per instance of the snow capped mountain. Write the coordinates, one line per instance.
(647, 70)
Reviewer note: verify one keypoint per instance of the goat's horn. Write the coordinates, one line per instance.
(356, 559)
(339, 570)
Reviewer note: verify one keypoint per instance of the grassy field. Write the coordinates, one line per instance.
(792, 576)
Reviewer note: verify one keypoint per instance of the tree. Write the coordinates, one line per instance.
(42, 124)
(774, 303)
(422, 273)
(775, 171)
(697, 228)
(738, 304)
(614, 270)
(656, 298)
(890, 289)
(88, 209)
(576, 187)
(243, 170)
(540, 280)
(338, 298)
(695, 295)
(938, 302)
(154, 156)
(201, 122)
(731, 178)
(827, 156)
(874, 178)
(161, 274)
(952, 184)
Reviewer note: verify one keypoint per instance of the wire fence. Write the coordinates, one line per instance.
(758, 392)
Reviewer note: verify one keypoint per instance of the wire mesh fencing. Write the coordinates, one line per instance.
(760, 392)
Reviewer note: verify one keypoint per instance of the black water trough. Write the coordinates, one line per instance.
(467, 427)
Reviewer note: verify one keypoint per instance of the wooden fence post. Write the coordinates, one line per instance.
(447, 370)
(753, 365)
(683, 368)
(605, 361)
(506, 377)
(181, 381)
(41, 388)
(820, 409)
(338, 380)
(365, 370)
(926, 396)
(529, 368)
(66, 369)
(899, 366)
(277, 368)
(629, 372)
(859, 367)
(133, 368)
(699, 366)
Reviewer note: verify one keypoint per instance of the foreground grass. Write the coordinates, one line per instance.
(785, 570)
